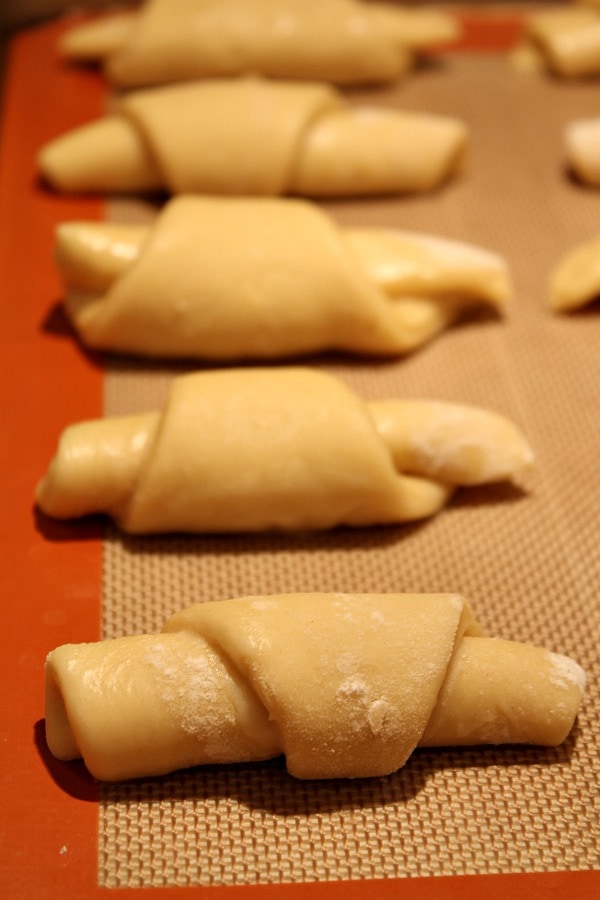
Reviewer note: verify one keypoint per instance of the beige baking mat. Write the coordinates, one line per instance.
(528, 557)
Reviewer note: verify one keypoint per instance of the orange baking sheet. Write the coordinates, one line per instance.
(50, 582)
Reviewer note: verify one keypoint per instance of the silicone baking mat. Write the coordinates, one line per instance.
(488, 820)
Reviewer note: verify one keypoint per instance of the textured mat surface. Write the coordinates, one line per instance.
(527, 558)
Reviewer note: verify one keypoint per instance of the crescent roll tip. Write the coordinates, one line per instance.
(103, 156)
(566, 40)
(454, 443)
(582, 149)
(575, 280)
(96, 40)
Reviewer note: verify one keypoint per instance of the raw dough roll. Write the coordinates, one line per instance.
(292, 448)
(343, 41)
(575, 280)
(582, 145)
(225, 279)
(565, 40)
(251, 136)
(228, 681)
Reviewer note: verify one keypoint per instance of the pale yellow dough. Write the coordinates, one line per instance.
(251, 136)
(342, 41)
(344, 685)
(575, 280)
(225, 279)
(291, 448)
(582, 148)
(565, 40)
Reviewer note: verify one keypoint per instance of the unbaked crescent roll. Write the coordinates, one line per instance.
(565, 40)
(575, 281)
(342, 41)
(344, 685)
(293, 448)
(252, 136)
(227, 279)
(582, 147)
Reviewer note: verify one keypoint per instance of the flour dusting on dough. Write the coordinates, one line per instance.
(263, 604)
(566, 672)
(187, 685)
(347, 663)
(446, 438)
(378, 617)
(382, 716)
(354, 687)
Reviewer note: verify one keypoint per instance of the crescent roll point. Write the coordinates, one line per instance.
(582, 148)
(227, 681)
(228, 279)
(565, 41)
(575, 280)
(251, 136)
(245, 450)
(341, 41)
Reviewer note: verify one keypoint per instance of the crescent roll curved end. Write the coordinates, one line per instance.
(565, 41)
(575, 281)
(227, 681)
(232, 279)
(276, 449)
(253, 137)
(343, 41)
(98, 38)
(582, 147)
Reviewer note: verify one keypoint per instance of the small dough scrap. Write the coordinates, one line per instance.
(261, 449)
(565, 40)
(575, 281)
(582, 146)
(231, 279)
(228, 681)
(250, 136)
(341, 41)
